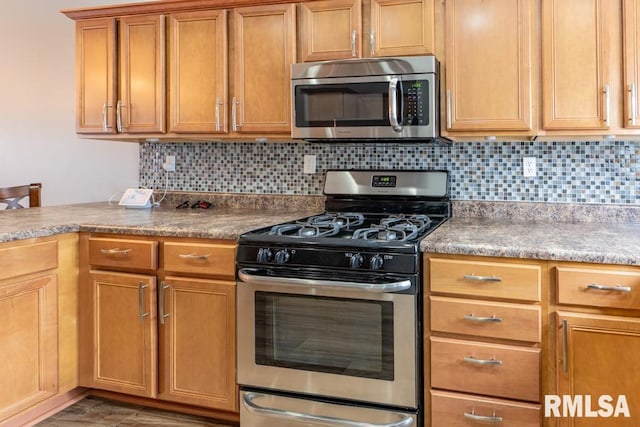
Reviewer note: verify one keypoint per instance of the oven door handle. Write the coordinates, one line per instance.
(248, 275)
(248, 402)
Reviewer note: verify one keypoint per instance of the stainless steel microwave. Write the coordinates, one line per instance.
(370, 99)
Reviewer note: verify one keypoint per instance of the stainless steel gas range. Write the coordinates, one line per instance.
(330, 306)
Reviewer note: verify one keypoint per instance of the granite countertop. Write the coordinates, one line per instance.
(596, 242)
(213, 223)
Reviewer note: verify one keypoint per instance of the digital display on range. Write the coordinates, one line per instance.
(384, 181)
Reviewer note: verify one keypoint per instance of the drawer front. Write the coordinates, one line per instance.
(463, 410)
(486, 319)
(489, 279)
(16, 260)
(122, 253)
(483, 368)
(200, 258)
(598, 287)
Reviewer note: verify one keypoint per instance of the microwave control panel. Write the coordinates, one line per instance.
(415, 112)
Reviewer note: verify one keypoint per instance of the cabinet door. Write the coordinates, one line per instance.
(29, 343)
(401, 27)
(141, 106)
(489, 62)
(197, 342)
(575, 77)
(331, 29)
(631, 26)
(264, 49)
(598, 356)
(198, 72)
(124, 333)
(96, 76)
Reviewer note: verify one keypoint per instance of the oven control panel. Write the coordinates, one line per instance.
(328, 258)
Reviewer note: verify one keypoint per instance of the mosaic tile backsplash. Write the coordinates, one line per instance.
(603, 172)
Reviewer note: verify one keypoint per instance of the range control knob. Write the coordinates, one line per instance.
(376, 262)
(264, 255)
(282, 256)
(356, 261)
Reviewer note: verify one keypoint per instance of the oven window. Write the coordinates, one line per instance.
(332, 335)
(342, 105)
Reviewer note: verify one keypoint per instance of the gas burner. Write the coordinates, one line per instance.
(304, 229)
(398, 233)
(343, 220)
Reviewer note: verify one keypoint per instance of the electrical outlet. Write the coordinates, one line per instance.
(169, 163)
(529, 166)
(309, 163)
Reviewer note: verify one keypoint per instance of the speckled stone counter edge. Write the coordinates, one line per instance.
(556, 212)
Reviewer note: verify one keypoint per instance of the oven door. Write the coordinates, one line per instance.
(334, 338)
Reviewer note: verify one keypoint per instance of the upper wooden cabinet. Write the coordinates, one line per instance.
(197, 83)
(631, 55)
(131, 97)
(339, 29)
(264, 49)
(489, 58)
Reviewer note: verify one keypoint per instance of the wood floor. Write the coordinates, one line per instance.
(95, 411)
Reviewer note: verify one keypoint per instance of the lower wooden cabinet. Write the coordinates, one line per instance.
(197, 342)
(162, 329)
(124, 333)
(28, 343)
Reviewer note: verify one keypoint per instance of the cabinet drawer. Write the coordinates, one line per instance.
(25, 259)
(122, 253)
(456, 409)
(598, 287)
(200, 258)
(489, 279)
(486, 319)
(483, 368)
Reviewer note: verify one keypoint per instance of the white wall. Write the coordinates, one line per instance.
(37, 102)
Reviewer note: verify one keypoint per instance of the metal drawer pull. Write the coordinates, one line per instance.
(617, 288)
(141, 313)
(115, 251)
(483, 418)
(194, 256)
(481, 319)
(301, 417)
(163, 286)
(486, 362)
(482, 278)
(249, 276)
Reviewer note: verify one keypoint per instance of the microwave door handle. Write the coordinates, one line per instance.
(394, 85)
(248, 275)
(248, 402)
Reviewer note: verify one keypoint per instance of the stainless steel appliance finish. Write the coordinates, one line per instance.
(329, 307)
(268, 410)
(371, 99)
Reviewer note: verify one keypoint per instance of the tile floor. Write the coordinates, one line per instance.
(94, 411)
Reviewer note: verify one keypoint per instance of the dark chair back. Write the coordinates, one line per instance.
(11, 196)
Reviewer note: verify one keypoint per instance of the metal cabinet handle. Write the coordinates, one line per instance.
(162, 314)
(247, 400)
(194, 256)
(115, 251)
(483, 418)
(395, 85)
(372, 41)
(491, 319)
(607, 102)
(565, 346)
(354, 39)
(218, 104)
(141, 313)
(119, 108)
(234, 113)
(616, 288)
(482, 278)
(632, 103)
(105, 123)
(485, 362)
(448, 109)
